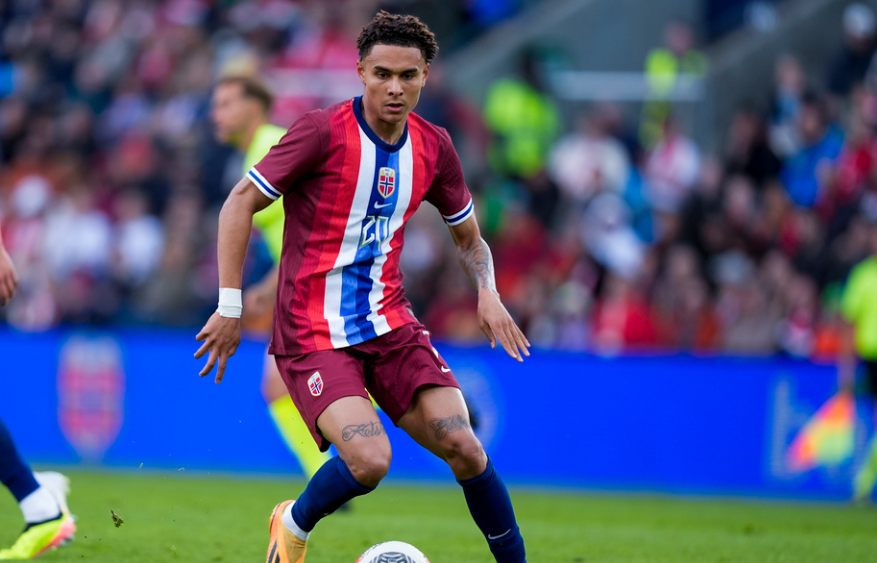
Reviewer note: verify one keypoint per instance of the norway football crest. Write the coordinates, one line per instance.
(386, 182)
(315, 384)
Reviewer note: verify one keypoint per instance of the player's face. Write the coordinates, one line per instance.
(231, 111)
(393, 77)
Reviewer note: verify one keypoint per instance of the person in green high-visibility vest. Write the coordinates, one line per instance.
(663, 67)
(241, 106)
(523, 120)
(859, 309)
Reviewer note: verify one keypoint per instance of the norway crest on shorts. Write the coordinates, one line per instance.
(386, 182)
(315, 384)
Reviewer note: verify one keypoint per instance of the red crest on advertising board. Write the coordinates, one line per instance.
(91, 394)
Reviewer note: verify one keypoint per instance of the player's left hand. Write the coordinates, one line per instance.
(497, 324)
(221, 337)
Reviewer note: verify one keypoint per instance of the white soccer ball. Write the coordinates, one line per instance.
(392, 552)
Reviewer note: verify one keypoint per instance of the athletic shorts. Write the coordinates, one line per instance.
(391, 367)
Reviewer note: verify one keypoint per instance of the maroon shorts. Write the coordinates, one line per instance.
(391, 367)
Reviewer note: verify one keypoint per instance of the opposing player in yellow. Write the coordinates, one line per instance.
(241, 105)
(859, 308)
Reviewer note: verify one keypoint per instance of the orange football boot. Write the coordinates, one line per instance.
(283, 545)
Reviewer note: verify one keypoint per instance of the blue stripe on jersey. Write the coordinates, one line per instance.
(263, 185)
(356, 278)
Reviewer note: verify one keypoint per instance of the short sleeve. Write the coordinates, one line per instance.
(448, 192)
(296, 154)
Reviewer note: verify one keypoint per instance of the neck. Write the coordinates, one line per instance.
(390, 133)
(243, 141)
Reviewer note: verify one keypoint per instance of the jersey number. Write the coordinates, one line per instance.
(375, 228)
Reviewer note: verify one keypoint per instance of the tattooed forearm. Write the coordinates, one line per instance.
(364, 430)
(477, 262)
(444, 426)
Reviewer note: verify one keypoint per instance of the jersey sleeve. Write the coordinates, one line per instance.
(297, 153)
(448, 192)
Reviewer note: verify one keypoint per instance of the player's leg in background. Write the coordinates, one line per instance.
(42, 499)
(866, 476)
(439, 421)
(288, 420)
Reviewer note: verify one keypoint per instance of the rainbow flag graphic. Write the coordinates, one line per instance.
(827, 438)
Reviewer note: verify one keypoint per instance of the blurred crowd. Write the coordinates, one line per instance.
(110, 176)
(617, 233)
(609, 232)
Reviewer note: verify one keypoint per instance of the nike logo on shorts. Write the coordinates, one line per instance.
(499, 536)
(445, 370)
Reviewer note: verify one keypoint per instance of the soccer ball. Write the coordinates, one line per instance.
(392, 552)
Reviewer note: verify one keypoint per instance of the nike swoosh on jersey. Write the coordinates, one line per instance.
(499, 536)
(378, 206)
(445, 370)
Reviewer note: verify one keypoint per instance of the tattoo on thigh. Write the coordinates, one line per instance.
(444, 426)
(365, 430)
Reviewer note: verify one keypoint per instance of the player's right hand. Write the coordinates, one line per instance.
(221, 337)
(259, 300)
(8, 277)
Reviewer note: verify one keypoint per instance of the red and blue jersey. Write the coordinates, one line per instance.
(347, 198)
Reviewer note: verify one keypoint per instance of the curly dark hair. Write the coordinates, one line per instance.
(400, 30)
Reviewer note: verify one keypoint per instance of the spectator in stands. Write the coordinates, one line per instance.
(791, 85)
(850, 65)
(805, 172)
(748, 151)
(851, 175)
(589, 160)
(663, 67)
(671, 172)
(622, 318)
(523, 120)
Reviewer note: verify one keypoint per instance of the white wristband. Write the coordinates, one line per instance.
(230, 303)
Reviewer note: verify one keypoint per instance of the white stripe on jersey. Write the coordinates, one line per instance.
(350, 244)
(264, 185)
(403, 199)
(461, 215)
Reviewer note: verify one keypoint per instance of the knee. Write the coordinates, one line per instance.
(466, 456)
(371, 466)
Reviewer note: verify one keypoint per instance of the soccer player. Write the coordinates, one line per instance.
(41, 496)
(351, 176)
(241, 105)
(859, 309)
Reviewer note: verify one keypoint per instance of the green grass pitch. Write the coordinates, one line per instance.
(180, 516)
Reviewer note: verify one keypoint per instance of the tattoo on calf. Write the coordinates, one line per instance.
(364, 430)
(444, 426)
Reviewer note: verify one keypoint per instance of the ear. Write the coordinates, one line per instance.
(360, 70)
(425, 75)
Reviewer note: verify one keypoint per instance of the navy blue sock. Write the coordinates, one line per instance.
(330, 487)
(491, 508)
(14, 472)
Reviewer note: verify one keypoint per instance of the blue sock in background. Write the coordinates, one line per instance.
(330, 487)
(14, 472)
(491, 508)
